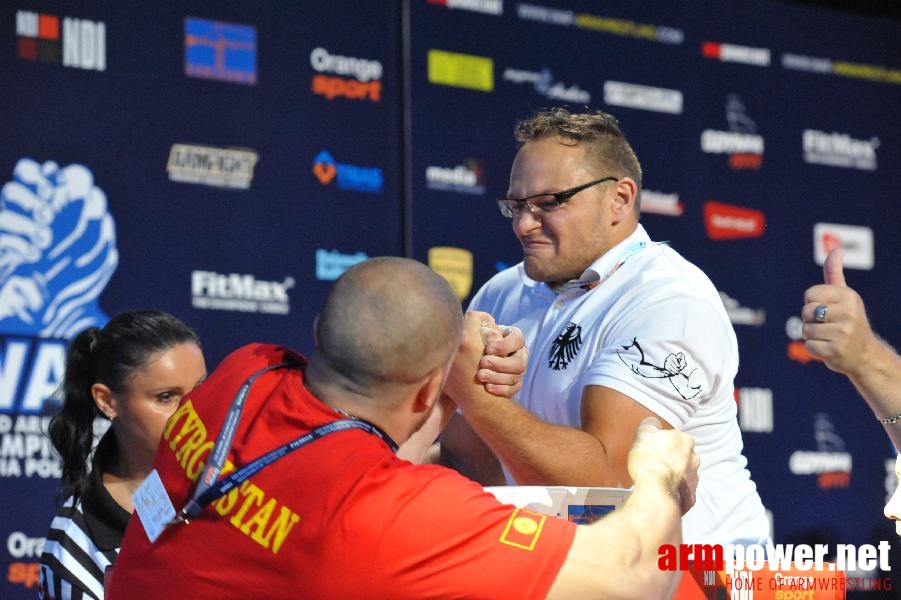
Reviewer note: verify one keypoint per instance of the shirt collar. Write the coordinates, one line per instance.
(606, 264)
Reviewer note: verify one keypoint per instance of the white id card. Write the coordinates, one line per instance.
(153, 506)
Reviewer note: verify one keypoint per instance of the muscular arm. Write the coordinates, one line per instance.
(500, 371)
(880, 385)
(616, 557)
(464, 451)
(539, 453)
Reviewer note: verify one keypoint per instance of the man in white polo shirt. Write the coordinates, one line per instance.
(619, 328)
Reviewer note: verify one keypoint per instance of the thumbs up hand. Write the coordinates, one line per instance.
(836, 328)
(833, 272)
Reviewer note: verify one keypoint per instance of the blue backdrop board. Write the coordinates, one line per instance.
(226, 162)
(223, 163)
(768, 133)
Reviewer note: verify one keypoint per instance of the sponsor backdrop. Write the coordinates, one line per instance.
(227, 163)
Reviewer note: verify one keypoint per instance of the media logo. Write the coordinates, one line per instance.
(544, 83)
(57, 253)
(643, 97)
(331, 264)
(659, 203)
(489, 7)
(758, 57)
(220, 51)
(741, 142)
(240, 293)
(348, 177)
(468, 178)
(839, 150)
(855, 240)
(729, 222)
(831, 463)
(207, 165)
(455, 265)
(461, 70)
(83, 42)
(355, 78)
(755, 409)
(742, 315)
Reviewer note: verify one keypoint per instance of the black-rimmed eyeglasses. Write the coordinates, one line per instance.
(544, 202)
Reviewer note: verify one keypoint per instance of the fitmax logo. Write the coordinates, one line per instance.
(241, 293)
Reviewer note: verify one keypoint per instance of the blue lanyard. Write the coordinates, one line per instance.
(209, 488)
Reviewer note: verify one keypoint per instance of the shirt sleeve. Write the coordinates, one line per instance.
(56, 586)
(448, 538)
(670, 352)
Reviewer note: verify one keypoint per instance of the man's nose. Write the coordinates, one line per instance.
(526, 220)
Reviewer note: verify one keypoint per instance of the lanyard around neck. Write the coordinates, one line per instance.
(594, 279)
(210, 488)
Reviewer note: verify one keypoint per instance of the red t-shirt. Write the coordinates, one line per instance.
(342, 517)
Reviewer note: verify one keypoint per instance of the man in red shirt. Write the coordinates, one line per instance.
(336, 514)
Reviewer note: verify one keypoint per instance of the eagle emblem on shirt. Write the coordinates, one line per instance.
(565, 347)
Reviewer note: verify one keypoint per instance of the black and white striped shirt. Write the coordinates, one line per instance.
(83, 540)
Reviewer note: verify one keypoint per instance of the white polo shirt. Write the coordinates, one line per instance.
(654, 328)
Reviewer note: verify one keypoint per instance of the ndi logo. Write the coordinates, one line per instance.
(240, 293)
(84, 42)
(349, 177)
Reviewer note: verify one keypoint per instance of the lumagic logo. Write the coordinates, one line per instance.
(775, 570)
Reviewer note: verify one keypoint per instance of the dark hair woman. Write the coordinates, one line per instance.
(133, 371)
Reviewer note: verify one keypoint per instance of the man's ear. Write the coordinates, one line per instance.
(104, 400)
(430, 391)
(626, 194)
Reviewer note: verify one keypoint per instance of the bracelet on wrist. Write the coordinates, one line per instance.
(889, 420)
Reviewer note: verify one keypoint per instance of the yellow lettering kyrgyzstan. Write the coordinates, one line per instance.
(187, 437)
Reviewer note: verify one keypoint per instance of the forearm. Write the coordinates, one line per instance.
(878, 380)
(538, 453)
(464, 451)
(617, 557)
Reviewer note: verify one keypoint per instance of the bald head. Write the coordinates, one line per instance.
(387, 321)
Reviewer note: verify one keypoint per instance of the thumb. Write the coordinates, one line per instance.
(648, 426)
(833, 273)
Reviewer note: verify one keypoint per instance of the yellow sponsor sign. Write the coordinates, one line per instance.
(461, 70)
(870, 72)
(455, 265)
